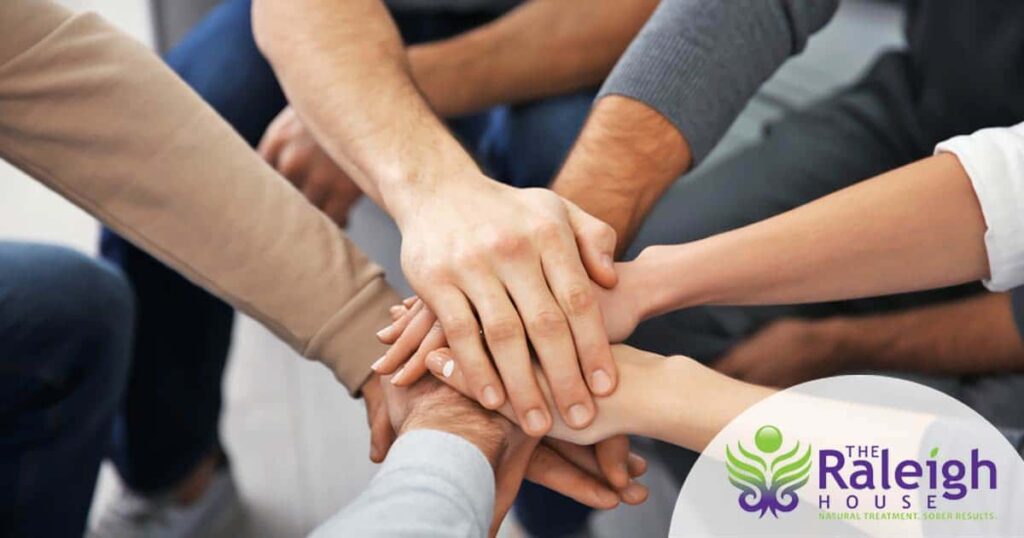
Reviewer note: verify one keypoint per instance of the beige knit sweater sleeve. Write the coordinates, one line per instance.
(99, 119)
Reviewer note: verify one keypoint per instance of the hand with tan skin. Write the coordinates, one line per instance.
(612, 456)
(567, 468)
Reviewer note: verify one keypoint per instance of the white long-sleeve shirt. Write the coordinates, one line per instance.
(994, 161)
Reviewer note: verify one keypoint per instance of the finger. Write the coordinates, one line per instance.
(552, 341)
(575, 294)
(596, 242)
(410, 301)
(633, 494)
(506, 341)
(272, 142)
(416, 366)
(337, 210)
(463, 334)
(397, 312)
(400, 352)
(585, 458)
(382, 435)
(390, 334)
(444, 366)
(613, 459)
(550, 470)
(637, 465)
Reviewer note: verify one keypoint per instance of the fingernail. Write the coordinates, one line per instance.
(383, 333)
(536, 421)
(448, 368)
(398, 376)
(490, 396)
(579, 415)
(634, 493)
(376, 364)
(639, 463)
(396, 310)
(601, 382)
(607, 498)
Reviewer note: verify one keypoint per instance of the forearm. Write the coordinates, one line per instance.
(344, 70)
(676, 399)
(917, 227)
(432, 483)
(101, 120)
(972, 336)
(625, 158)
(542, 48)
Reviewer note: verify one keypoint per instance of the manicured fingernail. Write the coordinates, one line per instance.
(385, 332)
(397, 310)
(398, 376)
(377, 363)
(579, 415)
(601, 382)
(448, 368)
(489, 397)
(536, 421)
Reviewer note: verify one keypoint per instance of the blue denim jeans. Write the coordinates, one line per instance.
(65, 329)
(183, 333)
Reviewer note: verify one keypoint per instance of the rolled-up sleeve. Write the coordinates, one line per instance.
(994, 161)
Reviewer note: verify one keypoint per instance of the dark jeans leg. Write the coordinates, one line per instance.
(66, 327)
(173, 402)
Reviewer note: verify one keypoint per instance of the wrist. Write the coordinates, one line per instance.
(844, 345)
(449, 74)
(488, 433)
(406, 190)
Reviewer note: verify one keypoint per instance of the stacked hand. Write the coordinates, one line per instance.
(573, 470)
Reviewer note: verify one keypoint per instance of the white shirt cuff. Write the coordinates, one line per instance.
(994, 161)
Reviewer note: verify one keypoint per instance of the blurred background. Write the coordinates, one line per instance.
(298, 443)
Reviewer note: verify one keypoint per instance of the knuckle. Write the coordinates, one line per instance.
(458, 327)
(468, 258)
(547, 323)
(547, 230)
(507, 244)
(578, 300)
(503, 329)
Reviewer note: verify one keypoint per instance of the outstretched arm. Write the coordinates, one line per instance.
(519, 261)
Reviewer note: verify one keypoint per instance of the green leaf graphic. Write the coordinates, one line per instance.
(933, 453)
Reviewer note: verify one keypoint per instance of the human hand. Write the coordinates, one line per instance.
(616, 412)
(787, 352)
(382, 435)
(564, 467)
(415, 332)
(523, 261)
(291, 149)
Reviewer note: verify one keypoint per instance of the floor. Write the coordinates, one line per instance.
(299, 444)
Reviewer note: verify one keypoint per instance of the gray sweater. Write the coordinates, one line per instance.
(698, 62)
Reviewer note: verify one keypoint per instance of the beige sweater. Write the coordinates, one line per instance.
(99, 119)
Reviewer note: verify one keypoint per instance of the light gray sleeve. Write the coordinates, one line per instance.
(698, 62)
(432, 484)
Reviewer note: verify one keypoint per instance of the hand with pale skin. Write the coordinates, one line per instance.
(569, 469)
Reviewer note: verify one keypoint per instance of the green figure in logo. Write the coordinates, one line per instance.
(768, 484)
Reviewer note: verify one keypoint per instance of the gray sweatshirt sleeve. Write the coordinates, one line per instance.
(432, 484)
(698, 62)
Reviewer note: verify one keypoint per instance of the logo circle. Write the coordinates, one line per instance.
(768, 439)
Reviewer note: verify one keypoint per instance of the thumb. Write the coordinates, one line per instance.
(596, 241)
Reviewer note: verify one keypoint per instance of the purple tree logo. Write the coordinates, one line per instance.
(768, 484)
